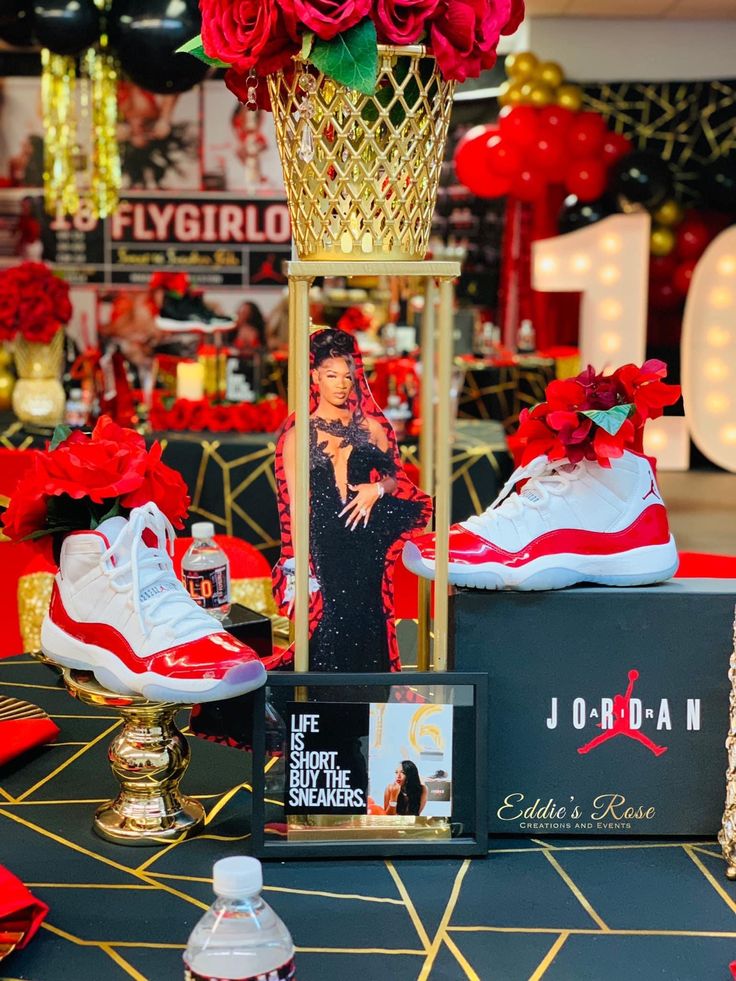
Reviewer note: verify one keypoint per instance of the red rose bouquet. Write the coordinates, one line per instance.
(594, 417)
(81, 480)
(33, 303)
(253, 38)
(354, 320)
(265, 416)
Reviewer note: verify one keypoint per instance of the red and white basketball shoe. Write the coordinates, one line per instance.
(569, 523)
(118, 610)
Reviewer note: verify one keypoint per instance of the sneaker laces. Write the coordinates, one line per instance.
(543, 477)
(158, 596)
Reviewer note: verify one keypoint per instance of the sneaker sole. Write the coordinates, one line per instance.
(61, 647)
(636, 567)
(191, 326)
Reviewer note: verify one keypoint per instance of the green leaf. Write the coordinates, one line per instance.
(307, 42)
(112, 513)
(351, 58)
(60, 434)
(610, 419)
(195, 48)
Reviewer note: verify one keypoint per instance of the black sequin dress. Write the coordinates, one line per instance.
(352, 632)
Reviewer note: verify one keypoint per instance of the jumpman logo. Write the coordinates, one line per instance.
(622, 725)
(652, 492)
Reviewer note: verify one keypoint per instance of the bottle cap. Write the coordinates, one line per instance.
(237, 876)
(203, 529)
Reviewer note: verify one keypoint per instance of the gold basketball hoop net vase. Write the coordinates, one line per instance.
(362, 171)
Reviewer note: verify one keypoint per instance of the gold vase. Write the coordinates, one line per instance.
(38, 396)
(362, 172)
(7, 378)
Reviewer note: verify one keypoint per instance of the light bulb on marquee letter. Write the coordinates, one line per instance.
(609, 264)
(709, 352)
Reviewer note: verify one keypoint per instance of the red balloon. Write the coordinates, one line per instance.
(693, 236)
(518, 124)
(662, 267)
(501, 158)
(683, 275)
(662, 295)
(555, 118)
(586, 179)
(528, 185)
(615, 146)
(548, 151)
(469, 153)
(586, 134)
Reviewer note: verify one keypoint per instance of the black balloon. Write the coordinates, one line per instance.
(146, 33)
(66, 27)
(577, 214)
(641, 178)
(718, 183)
(16, 22)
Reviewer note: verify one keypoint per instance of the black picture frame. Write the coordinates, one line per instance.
(475, 784)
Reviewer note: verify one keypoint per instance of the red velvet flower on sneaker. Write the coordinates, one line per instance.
(594, 416)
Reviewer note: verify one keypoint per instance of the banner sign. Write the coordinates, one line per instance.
(217, 241)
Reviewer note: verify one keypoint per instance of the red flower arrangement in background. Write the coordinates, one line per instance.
(594, 416)
(265, 416)
(177, 283)
(80, 480)
(354, 319)
(33, 303)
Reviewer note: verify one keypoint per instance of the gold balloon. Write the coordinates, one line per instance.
(522, 65)
(669, 213)
(663, 241)
(540, 94)
(569, 97)
(509, 94)
(551, 74)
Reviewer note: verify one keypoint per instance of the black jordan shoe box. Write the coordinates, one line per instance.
(556, 660)
(253, 629)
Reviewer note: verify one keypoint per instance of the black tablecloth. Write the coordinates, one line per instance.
(231, 480)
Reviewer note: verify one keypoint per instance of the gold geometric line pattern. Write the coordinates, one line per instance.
(577, 893)
(549, 957)
(711, 879)
(446, 917)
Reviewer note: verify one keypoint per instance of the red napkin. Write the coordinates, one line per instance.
(19, 735)
(21, 913)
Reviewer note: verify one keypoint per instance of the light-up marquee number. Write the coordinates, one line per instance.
(608, 263)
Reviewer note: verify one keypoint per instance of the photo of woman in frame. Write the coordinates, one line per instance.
(362, 509)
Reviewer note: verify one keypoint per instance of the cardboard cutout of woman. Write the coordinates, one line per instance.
(362, 509)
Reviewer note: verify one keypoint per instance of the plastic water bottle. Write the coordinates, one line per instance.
(206, 571)
(239, 937)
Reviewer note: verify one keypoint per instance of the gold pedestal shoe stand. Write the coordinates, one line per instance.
(148, 757)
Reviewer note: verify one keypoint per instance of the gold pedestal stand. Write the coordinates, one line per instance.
(148, 756)
(435, 445)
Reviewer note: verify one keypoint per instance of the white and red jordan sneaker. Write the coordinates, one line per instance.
(118, 610)
(569, 523)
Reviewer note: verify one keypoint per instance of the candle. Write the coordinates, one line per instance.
(190, 381)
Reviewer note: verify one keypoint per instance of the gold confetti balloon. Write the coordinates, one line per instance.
(662, 241)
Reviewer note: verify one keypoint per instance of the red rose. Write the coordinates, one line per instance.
(515, 17)
(221, 418)
(327, 18)
(402, 21)
(464, 35)
(198, 415)
(162, 485)
(26, 512)
(248, 34)
(98, 468)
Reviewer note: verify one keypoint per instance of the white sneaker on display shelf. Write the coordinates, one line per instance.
(569, 523)
(118, 610)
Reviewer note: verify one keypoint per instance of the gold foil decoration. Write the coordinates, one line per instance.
(256, 594)
(81, 155)
(362, 172)
(58, 100)
(727, 834)
(34, 596)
